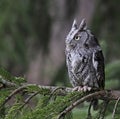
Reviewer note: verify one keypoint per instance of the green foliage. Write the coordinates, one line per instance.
(11, 18)
(113, 70)
(22, 34)
(112, 73)
(5, 75)
(47, 105)
(13, 111)
(35, 88)
(46, 109)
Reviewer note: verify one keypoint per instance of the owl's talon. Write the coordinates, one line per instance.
(86, 88)
(77, 88)
(89, 88)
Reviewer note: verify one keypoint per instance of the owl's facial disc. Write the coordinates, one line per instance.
(71, 36)
(75, 35)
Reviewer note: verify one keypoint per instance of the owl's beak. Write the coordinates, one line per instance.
(68, 41)
(69, 46)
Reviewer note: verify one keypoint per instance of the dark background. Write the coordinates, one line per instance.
(32, 37)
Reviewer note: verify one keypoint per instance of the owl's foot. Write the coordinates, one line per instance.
(77, 88)
(86, 88)
(80, 88)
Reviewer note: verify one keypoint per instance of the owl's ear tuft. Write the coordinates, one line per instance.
(82, 25)
(74, 25)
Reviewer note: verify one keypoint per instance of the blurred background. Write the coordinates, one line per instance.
(32, 37)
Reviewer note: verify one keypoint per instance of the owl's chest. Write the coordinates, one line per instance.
(80, 56)
(80, 61)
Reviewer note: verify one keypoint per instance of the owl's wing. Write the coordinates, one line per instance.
(98, 64)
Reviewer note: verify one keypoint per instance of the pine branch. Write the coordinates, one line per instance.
(7, 83)
(34, 89)
(62, 91)
(103, 95)
(28, 99)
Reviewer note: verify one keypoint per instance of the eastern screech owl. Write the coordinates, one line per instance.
(84, 58)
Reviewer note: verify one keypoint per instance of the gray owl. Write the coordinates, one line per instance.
(84, 59)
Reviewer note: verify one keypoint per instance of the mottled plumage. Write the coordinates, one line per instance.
(84, 58)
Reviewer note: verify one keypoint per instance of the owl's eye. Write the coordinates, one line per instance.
(77, 38)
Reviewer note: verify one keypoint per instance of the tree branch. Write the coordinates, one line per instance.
(100, 95)
(7, 83)
(62, 91)
(104, 94)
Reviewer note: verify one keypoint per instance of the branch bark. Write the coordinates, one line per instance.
(104, 94)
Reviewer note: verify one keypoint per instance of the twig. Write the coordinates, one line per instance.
(115, 107)
(51, 89)
(7, 83)
(28, 99)
(103, 109)
(73, 105)
(89, 116)
(12, 94)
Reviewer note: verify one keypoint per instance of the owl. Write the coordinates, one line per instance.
(84, 59)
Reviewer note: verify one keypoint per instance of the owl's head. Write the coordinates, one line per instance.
(78, 36)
